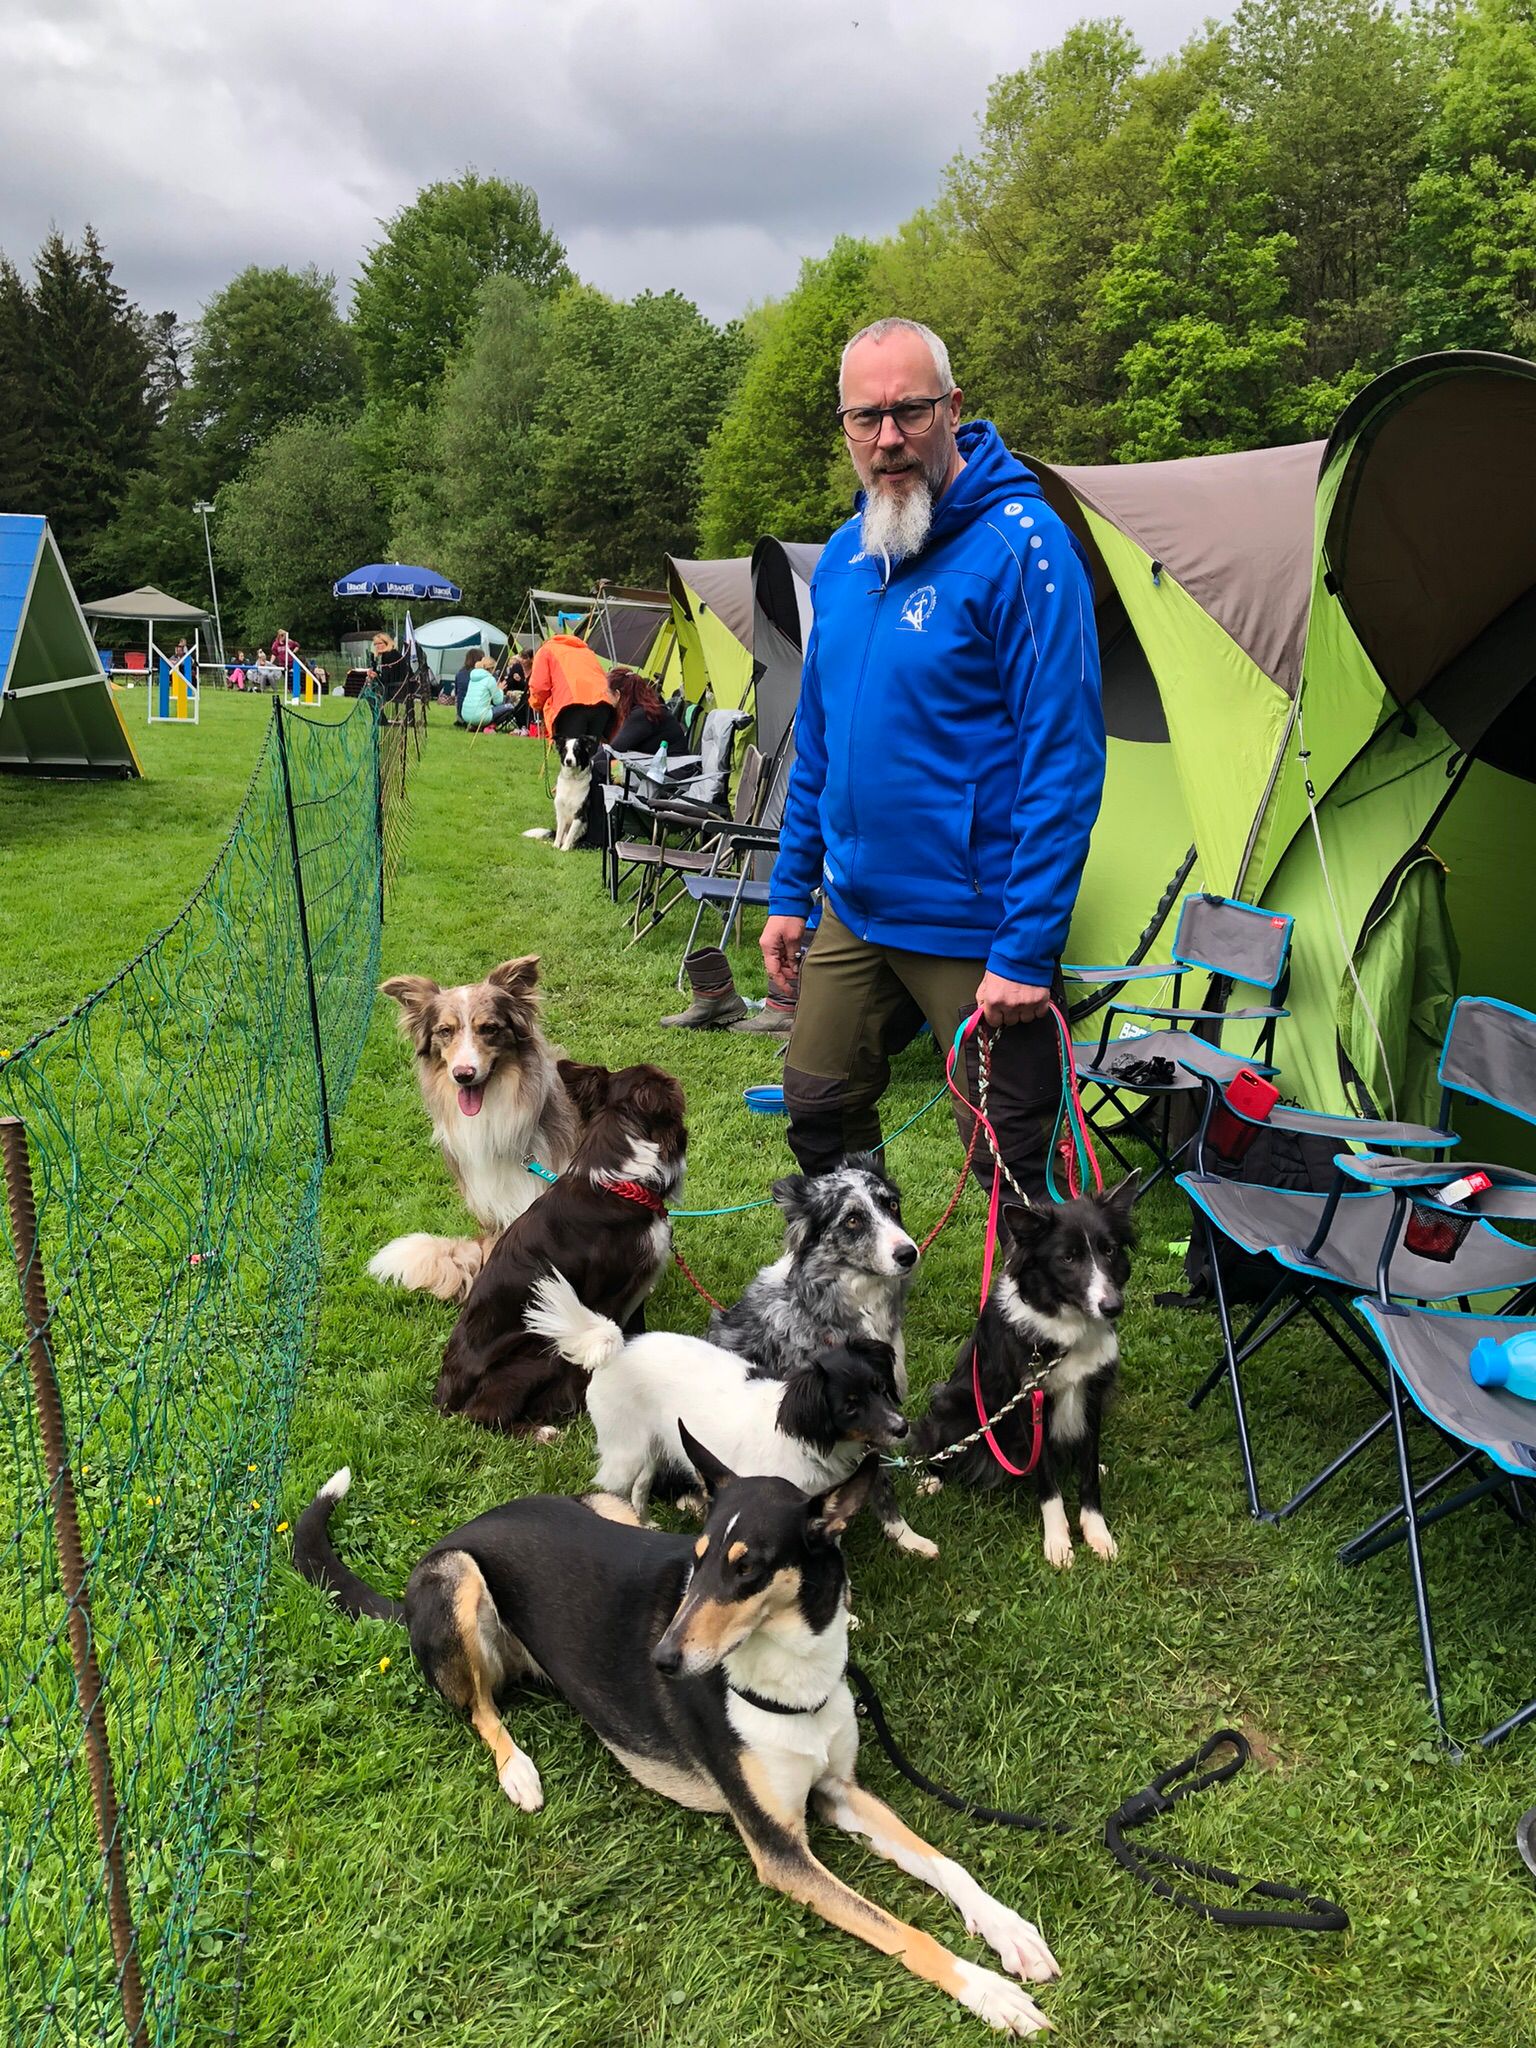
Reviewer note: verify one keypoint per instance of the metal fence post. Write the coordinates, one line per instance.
(298, 890)
(72, 1574)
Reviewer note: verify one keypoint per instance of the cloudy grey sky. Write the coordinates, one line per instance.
(706, 144)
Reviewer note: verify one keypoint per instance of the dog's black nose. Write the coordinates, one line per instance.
(906, 1256)
(464, 1076)
(1111, 1306)
(899, 1426)
(668, 1661)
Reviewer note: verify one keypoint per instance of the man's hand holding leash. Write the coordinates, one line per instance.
(781, 943)
(1000, 1001)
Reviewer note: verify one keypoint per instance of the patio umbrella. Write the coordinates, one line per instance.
(397, 579)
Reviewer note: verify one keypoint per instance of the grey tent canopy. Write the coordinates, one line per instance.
(148, 606)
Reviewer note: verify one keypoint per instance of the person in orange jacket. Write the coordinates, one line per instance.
(569, 689)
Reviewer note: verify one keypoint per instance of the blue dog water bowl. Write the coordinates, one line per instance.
(766, 1101)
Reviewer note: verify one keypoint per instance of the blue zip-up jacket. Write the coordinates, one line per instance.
(949, 738)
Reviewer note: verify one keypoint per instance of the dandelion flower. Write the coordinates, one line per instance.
(383, 1663)
(282, 1528)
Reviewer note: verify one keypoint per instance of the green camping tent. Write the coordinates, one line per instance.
(1320, 676)
(712, 628)
(57, 716)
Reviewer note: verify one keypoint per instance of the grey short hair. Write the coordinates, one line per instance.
(877, 330)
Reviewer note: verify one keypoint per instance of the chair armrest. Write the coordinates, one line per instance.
(1091, 974)
(751, 835)
(1512, 1196)
(1199, 1016)
(1363, 1130)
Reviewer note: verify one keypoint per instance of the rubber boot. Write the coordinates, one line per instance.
(715, 1001)
(776, 1019)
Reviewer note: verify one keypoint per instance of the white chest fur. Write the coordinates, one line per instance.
(1086, 1346)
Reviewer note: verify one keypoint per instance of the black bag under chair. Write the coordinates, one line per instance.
(1325, 1249)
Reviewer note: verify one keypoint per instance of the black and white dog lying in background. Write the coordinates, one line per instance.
(1054, 1301)
(845, 1273)
(573, 786)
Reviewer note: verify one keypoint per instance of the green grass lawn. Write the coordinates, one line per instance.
(400, 1897)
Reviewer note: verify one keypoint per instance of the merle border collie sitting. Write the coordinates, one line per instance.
(845, 1273)
(1056, 1295)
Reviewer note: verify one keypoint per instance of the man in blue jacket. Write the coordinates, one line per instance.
(949, 766)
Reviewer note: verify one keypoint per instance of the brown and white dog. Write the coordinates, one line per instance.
(492, 1085)
(603, 1225)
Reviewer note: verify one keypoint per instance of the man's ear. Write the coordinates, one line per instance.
(517, 977)
(415, 995)
(709, 1468)
(828, 1514)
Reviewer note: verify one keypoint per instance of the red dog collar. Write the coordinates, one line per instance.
(632, 1191)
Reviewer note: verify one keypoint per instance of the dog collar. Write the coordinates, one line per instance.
(755, 1699)
(633, 1191)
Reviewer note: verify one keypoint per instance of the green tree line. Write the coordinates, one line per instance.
(1135, 260)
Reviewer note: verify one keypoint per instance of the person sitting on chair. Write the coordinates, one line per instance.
(644, 722)
(484, 701)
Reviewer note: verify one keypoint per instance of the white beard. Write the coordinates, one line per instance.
(895, 523)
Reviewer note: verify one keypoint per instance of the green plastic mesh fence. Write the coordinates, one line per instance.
(174, 1122)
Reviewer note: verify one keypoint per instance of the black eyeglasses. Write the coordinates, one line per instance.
(912, 416)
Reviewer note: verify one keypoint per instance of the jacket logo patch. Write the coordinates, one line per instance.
(919, 609)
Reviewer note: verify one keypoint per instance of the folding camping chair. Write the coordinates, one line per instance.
(700, 780)
(1231, 942)
(672, 817)
(1330, 1247)
(734, 878)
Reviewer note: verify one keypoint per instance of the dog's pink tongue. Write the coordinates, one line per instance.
(470, 1100)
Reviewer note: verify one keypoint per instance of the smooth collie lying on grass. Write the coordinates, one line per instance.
(494, 1091)
(713, 1669)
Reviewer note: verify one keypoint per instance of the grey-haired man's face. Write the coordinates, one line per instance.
(902, 474)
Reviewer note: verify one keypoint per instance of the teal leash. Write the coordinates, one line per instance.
(534, 1166)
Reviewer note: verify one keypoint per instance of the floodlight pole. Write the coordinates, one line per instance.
(205, 508)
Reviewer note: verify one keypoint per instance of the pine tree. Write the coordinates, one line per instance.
(94, 413)
(20, 440)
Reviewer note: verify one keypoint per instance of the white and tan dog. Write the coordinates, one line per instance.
(492, 1086)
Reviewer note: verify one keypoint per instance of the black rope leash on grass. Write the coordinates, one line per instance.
(1300, 1911)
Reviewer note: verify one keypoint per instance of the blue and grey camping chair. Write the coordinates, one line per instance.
(1329, 1247)
(1231, 942)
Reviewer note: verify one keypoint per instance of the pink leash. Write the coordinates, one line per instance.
(1080, 1127)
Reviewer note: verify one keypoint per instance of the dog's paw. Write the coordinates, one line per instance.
(1058, 1536)
(548, 1434)
(999, 2001)
(1096, 1535)
(693, 1505)
(1017, 1942)
(908, 1540)
(519, 1779)
(930, 1484)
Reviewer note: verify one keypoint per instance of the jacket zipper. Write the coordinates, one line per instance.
(858, 694)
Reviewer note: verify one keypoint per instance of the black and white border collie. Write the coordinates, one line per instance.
(812, 1429)
(714, 1670)
(573, 785)
(492, 1085)
(1054, 1299)
(845, 1273)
